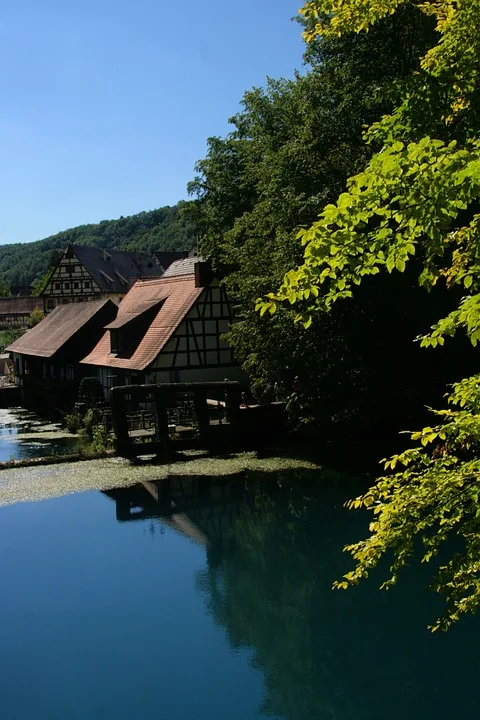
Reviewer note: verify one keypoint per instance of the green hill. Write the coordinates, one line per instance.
(162, 229)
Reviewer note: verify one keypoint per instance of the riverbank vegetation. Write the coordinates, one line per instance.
(412, 211)
(42, 481)
(93, 439)
(8, 336)
(290, 152)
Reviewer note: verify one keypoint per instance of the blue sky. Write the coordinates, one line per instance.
(107, 104)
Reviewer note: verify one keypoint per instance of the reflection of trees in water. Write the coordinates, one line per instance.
(324, 654)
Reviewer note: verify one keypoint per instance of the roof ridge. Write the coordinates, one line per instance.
(163, 279)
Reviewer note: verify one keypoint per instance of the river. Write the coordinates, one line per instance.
(210, 599)
(24, 435)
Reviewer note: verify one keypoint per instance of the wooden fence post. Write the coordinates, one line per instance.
(119, 415)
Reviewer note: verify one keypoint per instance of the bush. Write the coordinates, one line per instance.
(73, 422)
(36, 316)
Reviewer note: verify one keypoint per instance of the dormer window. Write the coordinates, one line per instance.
(126, 333)
(116, 343)
(121, 278)
(107, 277)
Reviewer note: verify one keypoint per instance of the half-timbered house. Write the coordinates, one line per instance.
(90, 273)
(46, 359)
(169, 330)
(15, 311)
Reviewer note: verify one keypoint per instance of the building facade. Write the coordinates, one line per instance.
(87, 273)
(169, 330)
(46, 359)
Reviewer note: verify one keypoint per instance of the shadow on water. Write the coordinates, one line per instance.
(273, 544)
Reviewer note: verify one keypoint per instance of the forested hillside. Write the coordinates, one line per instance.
(162, 229)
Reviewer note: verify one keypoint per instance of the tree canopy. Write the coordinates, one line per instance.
(416, 203)
(291, 149)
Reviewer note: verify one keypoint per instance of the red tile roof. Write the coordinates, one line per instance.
(131, 314)
(46, 338)
(178, 295)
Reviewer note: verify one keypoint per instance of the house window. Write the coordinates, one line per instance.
(115, 342)
(76, 286)
(66, 286)
(56, 286)
(88, 284)
(70, 373)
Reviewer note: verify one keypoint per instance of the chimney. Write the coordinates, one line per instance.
(203, 274)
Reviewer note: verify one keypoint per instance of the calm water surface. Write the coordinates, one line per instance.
(211, 600)
(22, 436)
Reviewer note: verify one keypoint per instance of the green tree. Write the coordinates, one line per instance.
(7, 337)
(36, 316)
(4, 288)
(290, 151)
(418, 197)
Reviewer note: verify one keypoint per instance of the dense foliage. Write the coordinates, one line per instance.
(419, 196)
(21, 264)
(290, 152)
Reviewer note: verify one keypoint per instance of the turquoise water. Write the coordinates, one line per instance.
(206, 600)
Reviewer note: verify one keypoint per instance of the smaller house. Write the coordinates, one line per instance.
(15, 311)
(46, 358)
(89, 273)
(168, 329)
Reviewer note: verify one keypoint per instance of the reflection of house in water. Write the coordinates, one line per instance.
(274, 548)
(200, 508)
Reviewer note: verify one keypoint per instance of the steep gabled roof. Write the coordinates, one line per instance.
(52, 333)
(114, 270)
(186, 266)
(175, 295)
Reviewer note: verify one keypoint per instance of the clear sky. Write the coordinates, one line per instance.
(107, 104)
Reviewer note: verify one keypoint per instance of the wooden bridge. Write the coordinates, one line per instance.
(155, 419)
